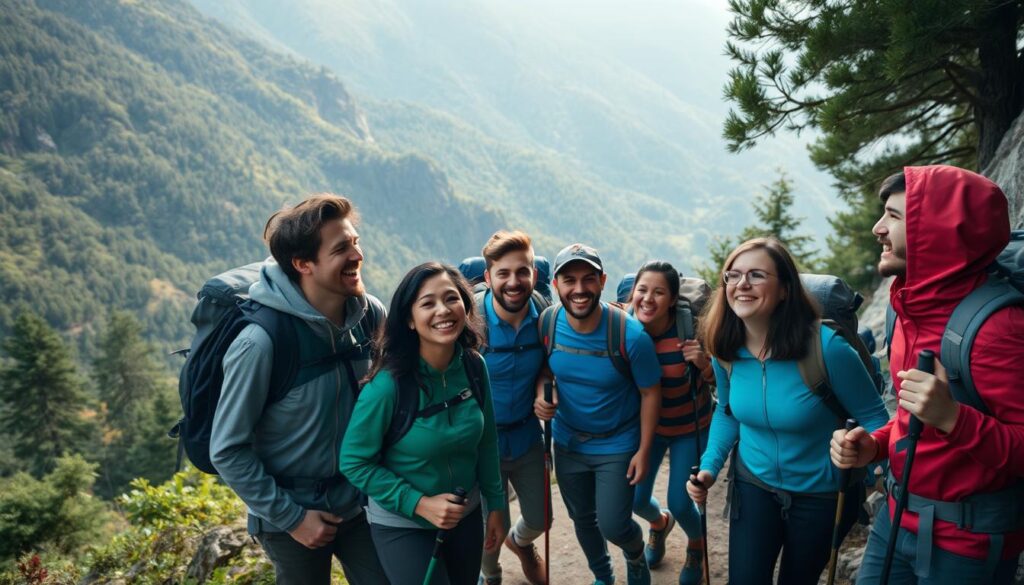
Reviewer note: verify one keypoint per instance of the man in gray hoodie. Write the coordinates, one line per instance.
(282, 458)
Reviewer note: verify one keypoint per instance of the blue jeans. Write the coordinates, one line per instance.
(600, 501)
(761, 526)
(682, 453)
(946, 569)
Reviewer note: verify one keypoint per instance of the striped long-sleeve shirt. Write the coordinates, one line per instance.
(677, 417)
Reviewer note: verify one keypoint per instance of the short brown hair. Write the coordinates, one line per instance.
(294, 232)
(503, 242)
(724, 333)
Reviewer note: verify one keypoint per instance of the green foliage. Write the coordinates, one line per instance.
(44, 400)
(886, 84)
(56, 513)
(165, 523)
(138, 401)
(774, 212)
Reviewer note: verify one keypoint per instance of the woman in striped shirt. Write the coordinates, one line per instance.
(685, 412)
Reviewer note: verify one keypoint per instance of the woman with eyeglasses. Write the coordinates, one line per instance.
(759, 324)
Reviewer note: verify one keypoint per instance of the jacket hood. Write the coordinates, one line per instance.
(957, 222)
(275, 290)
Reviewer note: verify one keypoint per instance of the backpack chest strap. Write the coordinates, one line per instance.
(577, 351)
(440, 407)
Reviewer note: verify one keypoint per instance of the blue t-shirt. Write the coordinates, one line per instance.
(513, 380)
(593, 397)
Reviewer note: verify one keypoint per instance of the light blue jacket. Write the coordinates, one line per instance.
(782, 429)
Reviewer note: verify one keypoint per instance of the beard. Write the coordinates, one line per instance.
(590, 309)
(499, 296)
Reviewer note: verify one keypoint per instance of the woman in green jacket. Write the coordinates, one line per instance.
(429, 335)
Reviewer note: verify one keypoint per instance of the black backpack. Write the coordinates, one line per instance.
(222, 312)
(407, 408)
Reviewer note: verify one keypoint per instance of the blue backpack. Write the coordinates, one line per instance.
(1003, 288)
(222, 312)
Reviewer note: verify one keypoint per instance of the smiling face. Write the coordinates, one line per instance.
(511, 279)
(891, 231)
(437, 314)
(579, 287)
(339, 261)
(652, 300)
(754, 303)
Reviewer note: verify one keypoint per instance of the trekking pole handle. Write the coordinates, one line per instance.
(461, 494)
(925, 363)
(695, 481)
(844, 474)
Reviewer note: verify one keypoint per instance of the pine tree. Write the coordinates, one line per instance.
(137, 408)
(774, 212)
(45, 410)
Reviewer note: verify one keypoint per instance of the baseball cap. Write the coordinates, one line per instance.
(574, 252)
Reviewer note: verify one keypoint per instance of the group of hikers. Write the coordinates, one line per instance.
(398, 432)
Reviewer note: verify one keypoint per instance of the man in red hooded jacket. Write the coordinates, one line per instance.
(942, 226)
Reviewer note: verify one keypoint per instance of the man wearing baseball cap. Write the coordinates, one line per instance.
(605, 410)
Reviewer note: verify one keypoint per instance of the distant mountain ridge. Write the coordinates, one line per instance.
(144, 146)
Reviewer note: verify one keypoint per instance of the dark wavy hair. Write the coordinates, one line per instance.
(724, 333)
(397, 348)
(671, 278)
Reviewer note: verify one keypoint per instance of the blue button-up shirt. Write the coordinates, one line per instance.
(513, 380)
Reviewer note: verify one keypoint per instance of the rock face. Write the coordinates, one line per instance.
(1007, 171)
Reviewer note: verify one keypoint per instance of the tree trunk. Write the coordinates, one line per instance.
(1000, 91)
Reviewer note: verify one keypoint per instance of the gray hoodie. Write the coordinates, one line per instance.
(297, 439)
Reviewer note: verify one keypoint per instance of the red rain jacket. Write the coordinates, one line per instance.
(957, 223)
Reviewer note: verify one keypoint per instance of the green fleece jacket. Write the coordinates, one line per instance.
(457, 447)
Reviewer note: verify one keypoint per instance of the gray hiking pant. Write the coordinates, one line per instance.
(526, 474)
(294, 564)
(600, 503)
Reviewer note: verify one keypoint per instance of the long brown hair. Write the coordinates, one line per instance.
(724, 333)
(398, 347)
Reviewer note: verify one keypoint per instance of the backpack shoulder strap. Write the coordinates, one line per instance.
(617, 341)
(281, 328)
(546, 328)
(890, 328)
(407, 403)
(473, 363)
(814, 371)
(964, 324)
(684, 321)
(478, 300)
(539, 301)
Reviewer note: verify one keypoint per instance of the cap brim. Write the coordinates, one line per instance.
(593, 264)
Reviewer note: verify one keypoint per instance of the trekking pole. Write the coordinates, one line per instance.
(548, 392)
(703, 509)
(925, 363)
(700, 451)
(439, 541)
(844, 478)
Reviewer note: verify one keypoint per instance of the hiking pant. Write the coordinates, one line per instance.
(761, 525)
(682, 452)
(405, 552)
(946, 568)
(600, 503)
(527, 477)
(294, 564)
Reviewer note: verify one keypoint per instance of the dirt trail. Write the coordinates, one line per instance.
(569, 566)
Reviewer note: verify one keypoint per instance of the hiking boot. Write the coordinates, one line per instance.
(654, 550)
(693, 568)
(529, 558)
(489, 580)
(637, 571)
(608, 581)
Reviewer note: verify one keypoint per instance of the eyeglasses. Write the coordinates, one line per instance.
(754, 277)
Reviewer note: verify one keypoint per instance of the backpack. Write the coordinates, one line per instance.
(473, 269)
(839, 304)
(1003, 287)
(407, 405)
(615, 325)
(222, 312)
(693, 295)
